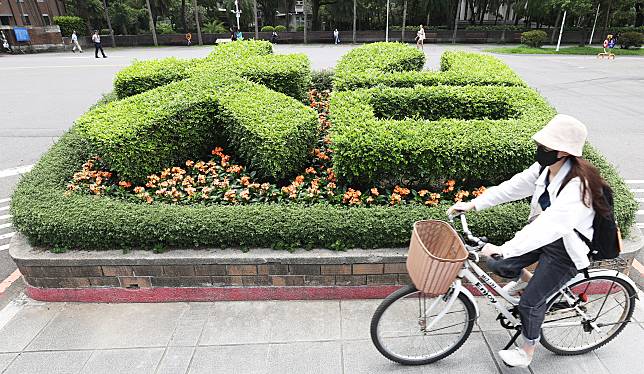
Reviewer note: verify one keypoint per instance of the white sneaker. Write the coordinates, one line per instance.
(514, 287)
(516, 357)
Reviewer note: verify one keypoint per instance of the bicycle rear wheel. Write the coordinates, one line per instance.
(398, 327)
(610, 302)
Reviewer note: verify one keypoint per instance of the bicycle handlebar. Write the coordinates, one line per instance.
(479, 242)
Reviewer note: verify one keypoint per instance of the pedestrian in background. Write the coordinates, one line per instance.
(75, 44)
(420, 38)
(233, 34)
(274, 37)
(336, 36)
(189, 39)
(97, 44)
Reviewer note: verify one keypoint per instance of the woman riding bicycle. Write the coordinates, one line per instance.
(566, 192)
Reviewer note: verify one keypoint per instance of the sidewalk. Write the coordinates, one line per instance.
(254, 337)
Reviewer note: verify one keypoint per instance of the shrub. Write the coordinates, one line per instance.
(288, 74)
(214, 27)
(322, 79)
(630, 39)
(165, 28)
(47, 217)
(70, 23)
(267, 28)
(534, 38)
(142, 134)
(427, 134)
(146, 75)
(280, 28)
(369, 67)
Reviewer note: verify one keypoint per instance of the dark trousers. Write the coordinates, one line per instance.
(98, 47)
(555, 268)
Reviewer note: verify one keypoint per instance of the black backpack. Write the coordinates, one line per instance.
(606, 243)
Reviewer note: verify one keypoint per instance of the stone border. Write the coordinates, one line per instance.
(216, 274)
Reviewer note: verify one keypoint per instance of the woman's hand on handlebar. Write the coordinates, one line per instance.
(491, 250)
(461, 206)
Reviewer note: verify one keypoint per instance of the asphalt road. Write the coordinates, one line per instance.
(41, 95)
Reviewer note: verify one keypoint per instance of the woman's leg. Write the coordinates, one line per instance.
(512, 268)
(554, 270)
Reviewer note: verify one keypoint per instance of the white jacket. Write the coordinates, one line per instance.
(566, 213)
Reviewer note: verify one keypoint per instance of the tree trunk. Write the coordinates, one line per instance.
(152, 24)
(472, 12)
(554, 31)
(482, 12)
(610, 5)
(639, 14)
(354, 21)
(183, 16)
(404, 21)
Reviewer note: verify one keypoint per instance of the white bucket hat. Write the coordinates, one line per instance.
(563, 133)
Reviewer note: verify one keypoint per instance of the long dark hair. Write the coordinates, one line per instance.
(592, 184)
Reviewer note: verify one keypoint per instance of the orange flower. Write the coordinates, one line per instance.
(449, 186)
(369, 200)
(374, 191)
(245, 181)
(235, 169)
(165, 173)
(148, 199)
(310, 170)
(422, 193)
(479, 191)
(125, 184)
(460, 195)
(218, 151)
(245, 194)
(395, 199)
(298, 180)
(138, 189)
(331, 186)
(352, 197)
(401, 191)
(265, 186)
(189, 163)
(201, 179)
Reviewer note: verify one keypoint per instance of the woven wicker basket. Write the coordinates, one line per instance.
(436, 254)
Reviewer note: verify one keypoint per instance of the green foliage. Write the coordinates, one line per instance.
(145, 133)
(428, 134)
(280, 28)
(267, 28)
(70, 23)
(148, 74)
(322, 79)
(214, 27)
(164, 28)
(105, 99)
(564, 51)
(631, 39)
(253, 60)
(398, 65)
(47, 217)
(534, 38)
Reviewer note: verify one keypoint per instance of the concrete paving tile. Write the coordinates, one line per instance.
(5, 359)
(356, 317)
(296, 358)
(190, 325)
(175, 360)
(48, 362)
(123, 361)
(276, 321)
(107, 326)
(361, 356)
(26, 324)
(496, 341)
(305, 357)
(624, 354)
(546, 362)
(236, 359)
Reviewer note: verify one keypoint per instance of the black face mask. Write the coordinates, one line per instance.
(546, 158)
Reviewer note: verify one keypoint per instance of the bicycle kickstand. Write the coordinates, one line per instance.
(514, 339)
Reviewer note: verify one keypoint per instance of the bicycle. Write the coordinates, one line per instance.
(411, 327)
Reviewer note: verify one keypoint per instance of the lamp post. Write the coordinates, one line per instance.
(387, 25)
(563, 22)
(194, 5)
(237, 13)
(592, 33)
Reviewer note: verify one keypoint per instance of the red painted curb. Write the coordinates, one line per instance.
(164, 295)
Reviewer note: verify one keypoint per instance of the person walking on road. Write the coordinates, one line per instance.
(97, 44)
(336, 36)
(420, 37)
(75, 44)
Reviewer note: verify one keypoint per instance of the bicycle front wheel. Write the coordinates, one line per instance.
(607, 301)
(399, 327)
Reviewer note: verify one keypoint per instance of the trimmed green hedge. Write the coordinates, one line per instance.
(394, 65)
(68, 24)
(458, 140)
(253, 60)
(143, 134)
(145, 75)
(47, 217)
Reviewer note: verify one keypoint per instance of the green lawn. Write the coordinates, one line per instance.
(522, 49)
